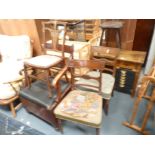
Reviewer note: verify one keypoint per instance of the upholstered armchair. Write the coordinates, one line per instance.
(13, 50)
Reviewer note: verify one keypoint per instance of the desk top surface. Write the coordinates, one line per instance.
(119, 54)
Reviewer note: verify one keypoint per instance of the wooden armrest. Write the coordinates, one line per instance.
(59, 76)
(21, 72)
(150, 78)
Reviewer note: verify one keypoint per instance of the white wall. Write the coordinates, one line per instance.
(151, 55)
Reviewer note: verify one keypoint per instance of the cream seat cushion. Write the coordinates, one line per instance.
(15, 47)
(107, 83)
(44, 61)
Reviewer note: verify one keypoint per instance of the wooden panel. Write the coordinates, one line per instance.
(22, 26)
(143, 35)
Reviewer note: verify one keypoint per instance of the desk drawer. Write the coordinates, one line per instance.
(128, 65)
(124, 80)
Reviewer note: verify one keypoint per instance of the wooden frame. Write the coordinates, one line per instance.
(146, 81)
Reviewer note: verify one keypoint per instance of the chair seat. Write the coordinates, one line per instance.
(81, 106)
(38, 93)
(44, 61)
(59, 54)
(107, 83)
(112, 24)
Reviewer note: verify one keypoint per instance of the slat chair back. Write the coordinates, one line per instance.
(57, 32)
(92, 65)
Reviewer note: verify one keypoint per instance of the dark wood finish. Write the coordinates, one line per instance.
(143, 35)
(41, 112)
(114, 26)
(92, 65)
(97, 131)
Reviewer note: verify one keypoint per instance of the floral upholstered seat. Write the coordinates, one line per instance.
(82, 107)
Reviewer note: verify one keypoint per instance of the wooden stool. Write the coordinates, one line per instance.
(112, 25)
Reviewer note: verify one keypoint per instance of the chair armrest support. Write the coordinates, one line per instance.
(59, 76)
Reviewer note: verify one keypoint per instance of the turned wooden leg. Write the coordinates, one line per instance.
(49, 83)
(27, 80)
(106, 106)
(97, 131)
(60, 126)
(12, 109)
(118, 38)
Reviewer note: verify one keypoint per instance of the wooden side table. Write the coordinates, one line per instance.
(131, 60)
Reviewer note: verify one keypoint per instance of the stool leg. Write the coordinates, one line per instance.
(60, 126)
(12, 109)
(27, 80)
(118, 38)
(105, 106)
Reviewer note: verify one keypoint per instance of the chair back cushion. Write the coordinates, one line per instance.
(15, 47)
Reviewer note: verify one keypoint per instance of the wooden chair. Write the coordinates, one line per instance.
(108, 76)
(13, 50)
(84, 107)
(46, 62)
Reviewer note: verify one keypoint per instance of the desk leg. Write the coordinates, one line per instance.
(135, 84)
